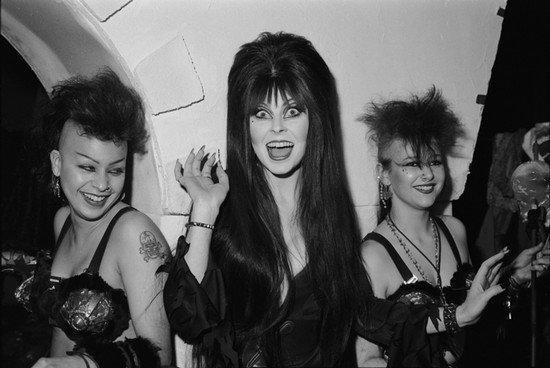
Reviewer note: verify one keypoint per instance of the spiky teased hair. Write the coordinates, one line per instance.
(425, 122)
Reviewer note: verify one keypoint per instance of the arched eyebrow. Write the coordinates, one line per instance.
(97, 162)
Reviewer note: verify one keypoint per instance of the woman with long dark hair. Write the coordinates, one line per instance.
(272, 274)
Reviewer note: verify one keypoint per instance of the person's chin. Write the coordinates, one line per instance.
(284, 169)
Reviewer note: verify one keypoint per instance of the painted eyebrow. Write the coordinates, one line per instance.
(97, 162)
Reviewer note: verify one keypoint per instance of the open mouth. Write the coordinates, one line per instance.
(425, 189)
(94, 200)
(279, 150)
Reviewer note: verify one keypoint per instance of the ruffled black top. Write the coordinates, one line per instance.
(423, 293)
(84, 306)
(198, 313)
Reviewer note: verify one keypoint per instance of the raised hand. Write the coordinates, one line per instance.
(484, 287)
(535, 258)
(207, 195)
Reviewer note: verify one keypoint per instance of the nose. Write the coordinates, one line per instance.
(277, 125)
(427, 172)
(101, 182)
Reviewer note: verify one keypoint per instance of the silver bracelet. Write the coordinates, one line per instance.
(199, 224)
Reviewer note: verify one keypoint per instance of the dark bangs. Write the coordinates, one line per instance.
(266, 88)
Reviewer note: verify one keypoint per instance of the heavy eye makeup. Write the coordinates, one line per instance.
(293, 111)
(418, 163)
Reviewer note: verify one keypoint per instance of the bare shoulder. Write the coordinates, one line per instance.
(136, 232)
(374, 254)
(59, 219)
(377, 260)
(458, 231)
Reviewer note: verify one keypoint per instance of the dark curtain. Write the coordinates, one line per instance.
(517, 97)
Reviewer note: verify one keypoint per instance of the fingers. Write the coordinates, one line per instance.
(207, 168)
(178, 174)
(188, 166)
(535, 249)
(493, 291)
(196, 166)
(494, 274)
(222, 175)
(486, 266)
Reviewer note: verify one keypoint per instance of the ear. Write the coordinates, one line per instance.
(55, 160)
(383, 174)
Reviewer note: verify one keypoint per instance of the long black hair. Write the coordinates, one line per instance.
(249, 245)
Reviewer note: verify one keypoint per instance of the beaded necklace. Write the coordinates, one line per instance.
(437, 244)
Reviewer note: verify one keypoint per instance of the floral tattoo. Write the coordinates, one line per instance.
(150, 247)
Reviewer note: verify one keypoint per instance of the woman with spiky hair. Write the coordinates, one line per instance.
(414, 256)
(272, 274)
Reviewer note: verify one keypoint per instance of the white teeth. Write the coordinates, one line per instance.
(425, 187)
(93, 197)
(279, 145)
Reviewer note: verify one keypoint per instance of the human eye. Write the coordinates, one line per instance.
(436, 163)
(117, 171)
(88, 168)
(413, 164)
(292, 112)
(261, 114)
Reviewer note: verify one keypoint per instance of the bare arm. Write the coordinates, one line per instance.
(142, 250)
(207, 198)
(375, 260)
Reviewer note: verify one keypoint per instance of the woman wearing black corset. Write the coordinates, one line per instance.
(414, 256)
(100, 292)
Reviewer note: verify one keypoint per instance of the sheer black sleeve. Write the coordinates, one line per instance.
(193, 308)
(197, 311)
(401, 330)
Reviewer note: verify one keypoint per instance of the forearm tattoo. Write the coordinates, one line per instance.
(150, 247)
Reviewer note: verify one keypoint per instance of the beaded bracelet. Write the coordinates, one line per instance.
(449, 318)
(199, 224)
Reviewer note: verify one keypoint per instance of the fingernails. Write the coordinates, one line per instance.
(202, 148)
(505, 249)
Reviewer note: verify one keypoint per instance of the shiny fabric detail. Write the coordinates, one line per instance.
(86, 309)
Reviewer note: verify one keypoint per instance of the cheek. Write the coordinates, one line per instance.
(256, 133)
(117, 182)
(439, 172)
(302, 130)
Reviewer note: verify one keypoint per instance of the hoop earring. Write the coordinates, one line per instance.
(56, 186)
(384, 194)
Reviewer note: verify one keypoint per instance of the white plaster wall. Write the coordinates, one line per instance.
(374, 48)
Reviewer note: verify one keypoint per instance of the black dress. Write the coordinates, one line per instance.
(198, 313)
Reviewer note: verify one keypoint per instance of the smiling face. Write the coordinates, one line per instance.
(91, 171)
(278, 131)
(413, 181)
